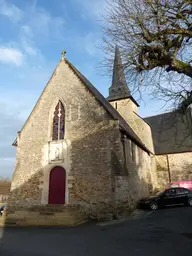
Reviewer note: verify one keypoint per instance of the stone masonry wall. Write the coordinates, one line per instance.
(91, 170)
(135, 184)
(180, 168)
(162, 171)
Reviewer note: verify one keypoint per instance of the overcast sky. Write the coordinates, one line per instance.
(32, 35)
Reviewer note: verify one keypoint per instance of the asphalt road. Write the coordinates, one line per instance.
(164, 232)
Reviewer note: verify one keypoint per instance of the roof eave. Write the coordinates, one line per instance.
(173, 152)
(15, 142)
(111, 99)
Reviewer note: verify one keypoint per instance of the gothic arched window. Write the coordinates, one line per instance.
(58, 128)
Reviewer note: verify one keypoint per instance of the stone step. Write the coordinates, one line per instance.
(53, 208)
(65, 213)
(34, 214)
(42, 221)
(23, 213)
(57, 206)
(43, 216)
(46, 216)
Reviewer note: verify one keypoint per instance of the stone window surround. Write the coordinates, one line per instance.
(59, 114)
(46, 174)
(51, 115)
(45, 185)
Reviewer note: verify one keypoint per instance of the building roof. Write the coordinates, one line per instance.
(109, 108)
(172, 132)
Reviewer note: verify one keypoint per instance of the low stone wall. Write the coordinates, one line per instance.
(173, 167)
(44, 216)
(162, 171)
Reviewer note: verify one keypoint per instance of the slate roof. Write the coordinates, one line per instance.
(172, 132)
(119, 88)
(109, 108)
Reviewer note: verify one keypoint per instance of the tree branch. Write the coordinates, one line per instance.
(180, 67)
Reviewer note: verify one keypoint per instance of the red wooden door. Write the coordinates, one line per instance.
(57, 182)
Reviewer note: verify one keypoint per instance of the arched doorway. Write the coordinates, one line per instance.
(57, 181)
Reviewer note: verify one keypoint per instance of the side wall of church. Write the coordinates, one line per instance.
(138, 179)
(180, 168)
(85, 152)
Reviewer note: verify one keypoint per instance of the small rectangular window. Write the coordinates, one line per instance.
(116, 105)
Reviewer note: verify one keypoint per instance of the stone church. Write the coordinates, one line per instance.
(78, 148)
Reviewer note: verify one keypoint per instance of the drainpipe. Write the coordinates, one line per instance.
(168, 168)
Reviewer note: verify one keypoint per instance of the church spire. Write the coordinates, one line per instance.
(119, 88)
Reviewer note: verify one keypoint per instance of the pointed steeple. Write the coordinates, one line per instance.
(119, 88)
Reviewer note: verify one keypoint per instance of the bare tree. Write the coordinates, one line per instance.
(155, 39)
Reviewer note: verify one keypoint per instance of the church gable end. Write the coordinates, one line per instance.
(65, 86)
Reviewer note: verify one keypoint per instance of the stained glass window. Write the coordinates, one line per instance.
(58, 122)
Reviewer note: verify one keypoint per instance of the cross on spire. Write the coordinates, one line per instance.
(63, 53)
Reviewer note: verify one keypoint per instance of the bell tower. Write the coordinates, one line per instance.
(119, 93)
